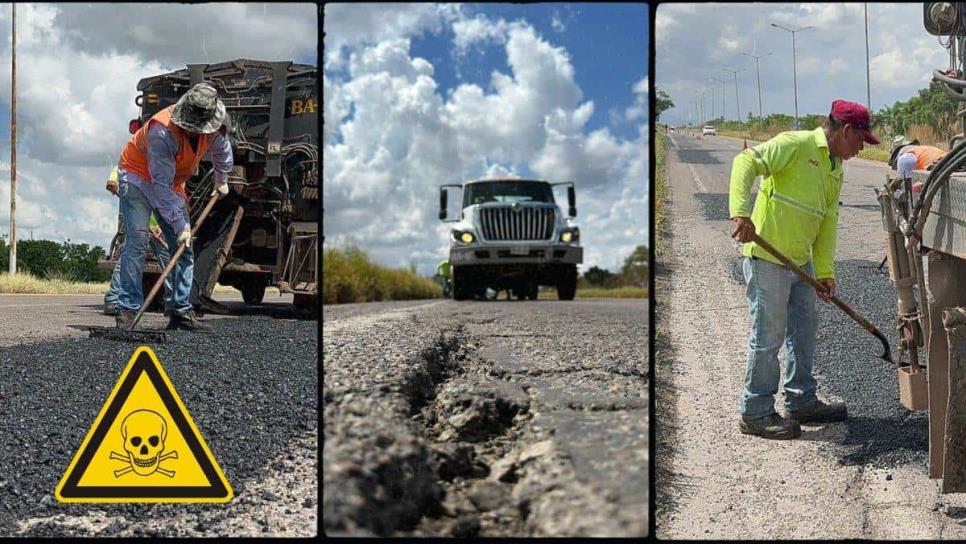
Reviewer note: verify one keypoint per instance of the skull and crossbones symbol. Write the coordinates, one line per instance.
(144, 432)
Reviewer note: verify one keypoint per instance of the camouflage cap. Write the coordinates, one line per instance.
(199, 110)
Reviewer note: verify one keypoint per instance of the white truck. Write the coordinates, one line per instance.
(510, 234)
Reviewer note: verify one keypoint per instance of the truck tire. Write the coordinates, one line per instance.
(460, 291)
(252, 292)
(567, 286)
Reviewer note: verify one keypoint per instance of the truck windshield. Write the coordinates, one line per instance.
(507, 192)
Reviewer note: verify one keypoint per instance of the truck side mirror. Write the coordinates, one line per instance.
(442, 204)
(572, 201)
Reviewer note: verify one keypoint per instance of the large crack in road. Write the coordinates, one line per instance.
(487, 419)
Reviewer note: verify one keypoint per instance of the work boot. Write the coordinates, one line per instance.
(188, 321)
(771, 426)
(818, 412)
(124, 318)
(110, 309)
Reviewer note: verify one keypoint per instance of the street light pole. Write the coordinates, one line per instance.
(794, 64)
(13, 140)
(737, 103)
(868, 88)
(758, 71)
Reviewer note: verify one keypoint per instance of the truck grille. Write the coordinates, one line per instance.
(525, 224)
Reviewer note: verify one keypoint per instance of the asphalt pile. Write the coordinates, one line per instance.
(251, 387)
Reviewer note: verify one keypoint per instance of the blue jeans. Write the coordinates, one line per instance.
(782, 312)
(136, 212)
(114, 291)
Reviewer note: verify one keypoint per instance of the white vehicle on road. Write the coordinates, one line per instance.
(708, 130)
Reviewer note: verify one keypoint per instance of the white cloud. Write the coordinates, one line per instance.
(557, 24)
(639, 109)
(382, 164)
(78, 66)
(478, 30)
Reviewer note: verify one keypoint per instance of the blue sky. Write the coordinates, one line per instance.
(556, 91)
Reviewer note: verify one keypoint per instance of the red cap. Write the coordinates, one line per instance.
(856, 115)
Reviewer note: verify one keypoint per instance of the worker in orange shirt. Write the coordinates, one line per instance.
(908, 155)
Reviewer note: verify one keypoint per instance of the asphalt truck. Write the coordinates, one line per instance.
(511, 234)
(924, 219)
(265, 232)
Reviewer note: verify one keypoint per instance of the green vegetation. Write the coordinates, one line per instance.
(349, 276)
(49, 259)
(929, 117)
(620, 292)
(660, 191)
(633, 276)
(662, 103)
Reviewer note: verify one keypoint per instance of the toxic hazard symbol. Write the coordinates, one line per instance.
(143, 446)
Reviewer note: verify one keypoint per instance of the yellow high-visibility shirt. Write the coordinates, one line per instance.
(797, 207)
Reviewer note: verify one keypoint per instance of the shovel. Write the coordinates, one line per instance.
(141, 335)
(886, 354)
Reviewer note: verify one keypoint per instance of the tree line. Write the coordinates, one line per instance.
(930, 115)
(633, 273)
(49, 259)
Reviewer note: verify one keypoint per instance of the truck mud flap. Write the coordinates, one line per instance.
(954, 451)
(214, 240)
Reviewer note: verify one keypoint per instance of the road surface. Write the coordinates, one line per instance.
(499, 418)
(251, 386)
(864, 478)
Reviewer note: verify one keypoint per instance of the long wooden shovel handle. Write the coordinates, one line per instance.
(814, 283)
(886, 350)
(171, 263)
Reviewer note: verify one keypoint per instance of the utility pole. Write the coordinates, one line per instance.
(761, 118)
(868, 88)
(712, 104)
(737, 103)
(13, 140)
(794, 65)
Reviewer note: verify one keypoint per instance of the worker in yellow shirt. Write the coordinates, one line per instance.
(796, 210)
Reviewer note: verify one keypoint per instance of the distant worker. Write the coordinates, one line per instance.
(908, 155)
(155, 164)
(444, 274)
(796, 210)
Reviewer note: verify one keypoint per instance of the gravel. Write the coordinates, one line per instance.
(251, 387)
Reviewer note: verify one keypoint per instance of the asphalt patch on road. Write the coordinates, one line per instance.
(251, 387)
(714, 206)
(700, 156)
(880, 431)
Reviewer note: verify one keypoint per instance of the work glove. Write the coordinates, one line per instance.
(185, 237)
(220, 187)
(112, 186)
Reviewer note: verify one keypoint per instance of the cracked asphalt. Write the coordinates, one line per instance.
(501, 418)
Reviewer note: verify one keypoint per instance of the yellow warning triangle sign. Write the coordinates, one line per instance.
(143, 446)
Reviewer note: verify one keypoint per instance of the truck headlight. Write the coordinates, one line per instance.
(570, 236)
(466, 237)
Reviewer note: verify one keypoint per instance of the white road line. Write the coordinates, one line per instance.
(697, 179)
(675, 144)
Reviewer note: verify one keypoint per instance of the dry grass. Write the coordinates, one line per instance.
(25, 283)
(660, 191)
(617, 292)
(349, 276)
